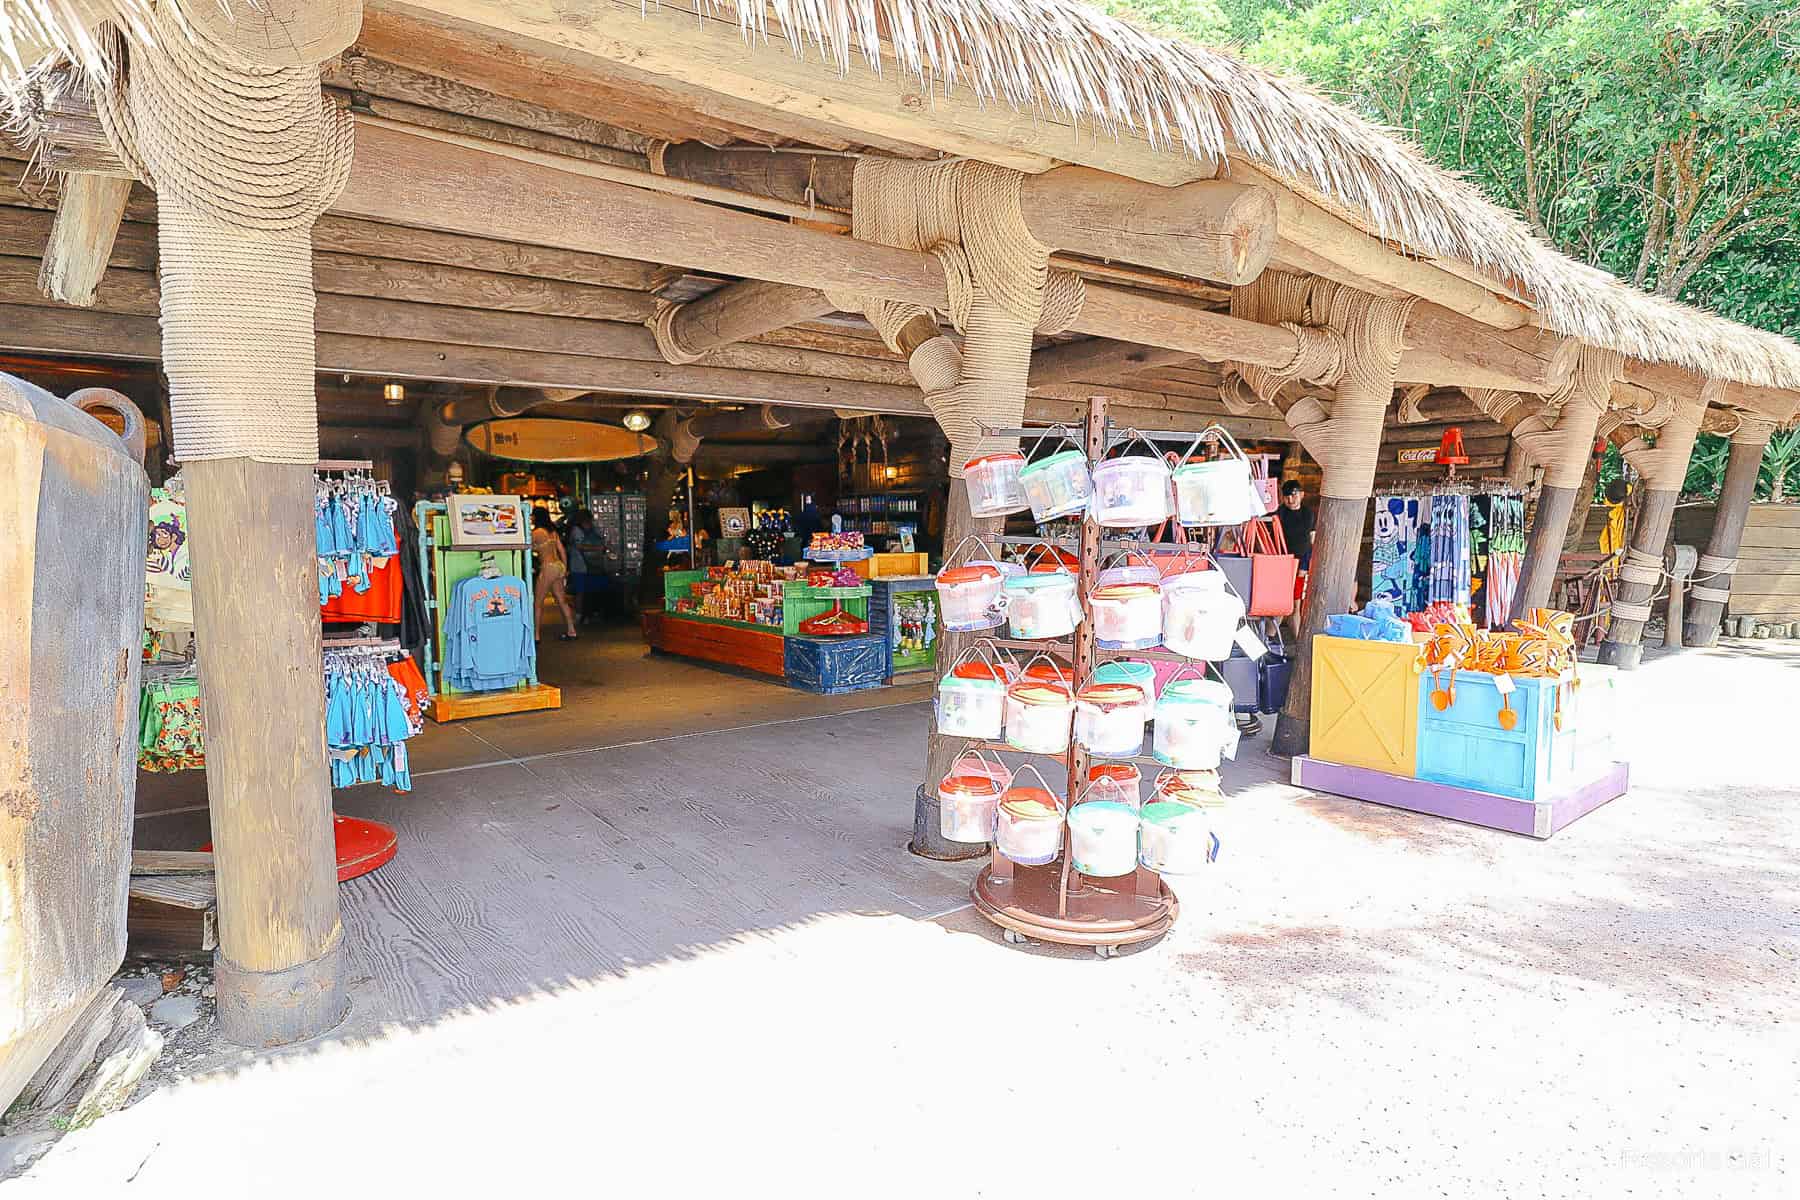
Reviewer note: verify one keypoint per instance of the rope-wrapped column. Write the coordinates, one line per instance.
(1718, 563)
(1662, 465)
(1001, 291)
(244, 153)
(1352, 340)
(1560, 438)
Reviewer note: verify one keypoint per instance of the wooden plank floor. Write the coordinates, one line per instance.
(666, 808)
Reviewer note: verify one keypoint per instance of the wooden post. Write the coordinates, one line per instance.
(280, 957)
(1330, 588)
(1544, 546)
(1624, 645)
(1712, 585)
(941, 750)
(1662, 465)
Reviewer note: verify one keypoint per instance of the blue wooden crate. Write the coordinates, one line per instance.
(830, 665)
(882, 620)
(1465, 745)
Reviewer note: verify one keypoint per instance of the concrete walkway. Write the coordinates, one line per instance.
(748, 986)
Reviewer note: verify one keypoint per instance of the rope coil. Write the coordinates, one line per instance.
(243, 158)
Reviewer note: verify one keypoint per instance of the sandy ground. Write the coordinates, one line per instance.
(1358, 1001)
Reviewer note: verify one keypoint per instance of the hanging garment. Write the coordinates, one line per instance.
(1449, 571)
(168, 577)
(1506, 557)
(367, 720)
(379, 601)
(169, 725)
(1396, 545)
(353, 532)
(488, 636)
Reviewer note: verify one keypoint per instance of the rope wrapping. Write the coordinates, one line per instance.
(999, 285)
(1342, 337)
(1714, 564)
(1627, 611)
(1703, 592)
(1663, 463)
(1640, 567)
(1561, 435)
(243, 158)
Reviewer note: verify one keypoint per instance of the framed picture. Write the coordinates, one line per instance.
(489, 521)
(734, 522)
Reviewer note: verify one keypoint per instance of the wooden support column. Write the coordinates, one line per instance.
(81, 238)
(1748, 441)
(280, 957)
(1350, 341)
(1560, 437)
(1662, 467)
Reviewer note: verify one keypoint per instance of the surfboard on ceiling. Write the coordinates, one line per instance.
(550, 440)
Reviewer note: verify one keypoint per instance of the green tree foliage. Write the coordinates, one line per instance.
(1656, 138)
(1659, 139)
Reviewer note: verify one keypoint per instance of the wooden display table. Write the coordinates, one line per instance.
(731, 643)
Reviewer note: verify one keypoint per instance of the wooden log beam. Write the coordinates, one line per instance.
(704, 57)
(1208, 229)
(82, 235)
(1325, 241)
(743, 310)
(121, 336)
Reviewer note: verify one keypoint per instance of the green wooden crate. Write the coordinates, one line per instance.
(801, 603)
(675, 586)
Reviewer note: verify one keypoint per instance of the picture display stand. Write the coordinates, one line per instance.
(1054, 902)
(441, 567)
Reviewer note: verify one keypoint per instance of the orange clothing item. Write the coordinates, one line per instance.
(380, 603)
(413, 692)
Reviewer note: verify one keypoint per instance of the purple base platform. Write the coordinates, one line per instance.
(1533, 818)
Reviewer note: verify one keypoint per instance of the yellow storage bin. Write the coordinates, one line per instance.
(888, 566)
(1365, 704)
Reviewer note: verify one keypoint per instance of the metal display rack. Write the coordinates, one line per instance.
(1054, 902)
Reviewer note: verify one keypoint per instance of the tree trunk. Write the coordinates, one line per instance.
(942, 750)
(659, 493)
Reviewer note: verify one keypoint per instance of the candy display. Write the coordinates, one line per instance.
(749, 591)
(827, 542)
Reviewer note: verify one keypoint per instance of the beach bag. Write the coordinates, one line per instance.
(1263, 571)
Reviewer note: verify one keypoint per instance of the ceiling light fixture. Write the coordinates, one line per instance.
(637, 420)
(394, 393)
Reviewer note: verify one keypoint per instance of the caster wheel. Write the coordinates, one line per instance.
(1013, 937)
(1106, 951)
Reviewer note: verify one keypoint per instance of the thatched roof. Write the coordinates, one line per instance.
(1059, 57)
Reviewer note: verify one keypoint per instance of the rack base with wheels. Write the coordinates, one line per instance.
(1102, 913)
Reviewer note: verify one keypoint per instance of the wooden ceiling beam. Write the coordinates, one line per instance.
(81, 237)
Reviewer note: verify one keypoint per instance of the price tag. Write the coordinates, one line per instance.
(1504, 684)
(1230, 745)
(1249, 643)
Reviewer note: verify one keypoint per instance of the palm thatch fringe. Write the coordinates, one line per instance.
(1062, 59)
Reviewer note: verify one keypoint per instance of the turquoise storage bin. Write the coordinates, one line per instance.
(1465, 746)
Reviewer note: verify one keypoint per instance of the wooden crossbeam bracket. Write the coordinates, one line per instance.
(82, 236)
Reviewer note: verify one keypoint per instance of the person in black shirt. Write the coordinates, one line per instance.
(1297, 522)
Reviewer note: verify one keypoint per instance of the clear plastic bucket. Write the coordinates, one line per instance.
(993, 483)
